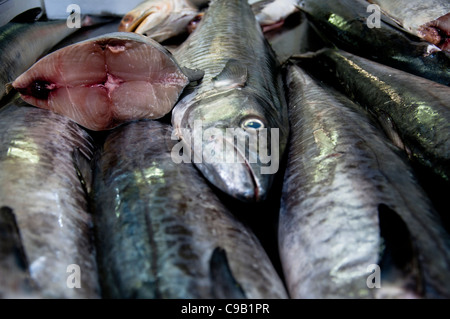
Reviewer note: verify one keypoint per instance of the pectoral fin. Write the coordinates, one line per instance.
(233, 75)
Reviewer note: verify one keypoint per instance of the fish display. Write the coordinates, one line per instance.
(41, 184)
(103, 82)
(161, 230)
(235, 94)
(350, 202)
(344, 24)
(415, 109)
(428, 20)
(22, 44)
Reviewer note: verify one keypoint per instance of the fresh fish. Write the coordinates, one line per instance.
(103, 82)
(22, 44)
(344, 23)
(160, 19)
(40, 184)
(236, 94)
(417, 109)
(163, 233)
(271, 13)
(350, 204)
(429, 20)
(15, 281)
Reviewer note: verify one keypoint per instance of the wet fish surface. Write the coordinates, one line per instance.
(344, 23)
(429, 20)
(41, 186)
(235, 93)
(163, 233)
(22, 44)
(417, 109)
(105, 81)
(350, 203)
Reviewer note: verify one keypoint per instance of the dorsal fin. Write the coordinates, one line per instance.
(233, 75)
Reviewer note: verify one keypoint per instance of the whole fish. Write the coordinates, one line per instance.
(345, 24)
(163, 233)
(429, 20)
(22, 44)
(237, 99)
(41, 154)
(105, 81)
(416, 109)
(160, 19)
(351, 206)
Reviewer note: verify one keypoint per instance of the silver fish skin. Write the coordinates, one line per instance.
(418, 108)
(429, 20)
(163, 233)
(345, 187)
(235, 93)
(344, 23)
(40, 183)
(22, 44)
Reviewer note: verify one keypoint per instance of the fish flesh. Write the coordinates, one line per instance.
(161, 230)
(41, 185)
(237, 114)
(350, 204)
(417, 109)
(22, 44)
(344, 23)
(105, 81)
(160, 19)
(15, 281)
(429, 20)
(271, 14)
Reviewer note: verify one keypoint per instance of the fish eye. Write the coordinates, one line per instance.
(253, 124)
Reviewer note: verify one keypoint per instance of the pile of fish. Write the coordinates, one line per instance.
(228, 149)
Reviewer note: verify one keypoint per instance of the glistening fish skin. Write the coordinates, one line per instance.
(418, 108)
(22, 44)
(163, 233)
(241, 84)
(344, 188)
(40, 184)
(344, 23)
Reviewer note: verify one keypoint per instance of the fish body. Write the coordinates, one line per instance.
(417, 109)
(105, 81)
(345, 24)
(429, 20)
(22, 44)
(40, 184)
(350, 204)
(163, 233)
(235, 93)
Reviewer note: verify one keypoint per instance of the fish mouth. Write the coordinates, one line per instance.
(231, 171)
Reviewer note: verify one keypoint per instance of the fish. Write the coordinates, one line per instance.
(271, 14)
(15, 281)
(344, 24)
(105, 81)
(354, 222)
(427, 20)
(230, 120)
(41, 185)
(22, 44)
(416, 109)
(160, 19)
(162, 232)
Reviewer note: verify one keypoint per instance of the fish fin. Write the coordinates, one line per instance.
(233, 75)
(223, 283)
(398, 260)
(193, 75)
(11, 241)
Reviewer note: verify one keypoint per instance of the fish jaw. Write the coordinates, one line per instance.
(104, 82)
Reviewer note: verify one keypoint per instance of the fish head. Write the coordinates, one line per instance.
(235, 141)
(159, 20)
